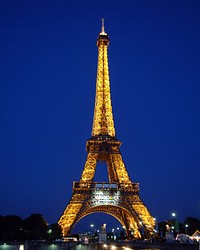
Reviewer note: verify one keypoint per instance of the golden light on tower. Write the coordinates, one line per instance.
(103, 123)
(119, 197)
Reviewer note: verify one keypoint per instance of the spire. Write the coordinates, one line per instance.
(103, 36)
(102, 27)
(103, 122)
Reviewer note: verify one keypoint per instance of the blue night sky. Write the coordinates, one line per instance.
(48, 63)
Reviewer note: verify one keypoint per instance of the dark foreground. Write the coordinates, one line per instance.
(96, 246)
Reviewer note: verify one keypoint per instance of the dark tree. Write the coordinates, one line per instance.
(36, 227)
(162, 228)
(122, 235)
(193, 225)
(54, 232)
(11, 227)
(1, 227)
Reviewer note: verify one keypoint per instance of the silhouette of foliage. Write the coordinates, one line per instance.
(193, 225)
(11, 227)
(54, 232)
(35, 227)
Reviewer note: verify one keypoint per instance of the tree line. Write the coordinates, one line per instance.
(34, 227)
(189, 226)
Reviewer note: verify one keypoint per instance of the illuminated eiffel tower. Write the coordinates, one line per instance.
(119, 197)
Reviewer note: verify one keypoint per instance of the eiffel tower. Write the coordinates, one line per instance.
(119, 197)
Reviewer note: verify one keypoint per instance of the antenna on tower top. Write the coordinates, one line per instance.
(102, 28)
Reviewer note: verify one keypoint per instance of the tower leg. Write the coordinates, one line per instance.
(67, 220)
(90, 167)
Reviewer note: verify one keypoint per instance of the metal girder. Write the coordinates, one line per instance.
(119, 197)
(125, 205)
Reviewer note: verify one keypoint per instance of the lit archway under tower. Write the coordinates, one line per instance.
(119, 197)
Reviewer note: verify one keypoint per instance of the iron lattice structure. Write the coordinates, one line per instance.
(119, 197)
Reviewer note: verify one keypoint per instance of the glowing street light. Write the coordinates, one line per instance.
(173, 214)
(156, 225)
(176, 223)
(92, 228)
(49, 233)
(186, 227)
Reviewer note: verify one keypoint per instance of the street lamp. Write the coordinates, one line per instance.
(173, 214)
(176, 223)
(92, 226)
(117, 234)
(49, 233)
(92, 231)
(155, 225)
(113, 231)
(186, 227)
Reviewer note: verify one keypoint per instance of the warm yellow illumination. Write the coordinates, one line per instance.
(103, 123)
(119, 197)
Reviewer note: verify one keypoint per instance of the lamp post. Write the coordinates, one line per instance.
(156, 225)
(173, 221)
(113, 231)
(92, 228)
(92, 231)
(176, 223)
(186, 227)
(49, 233)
